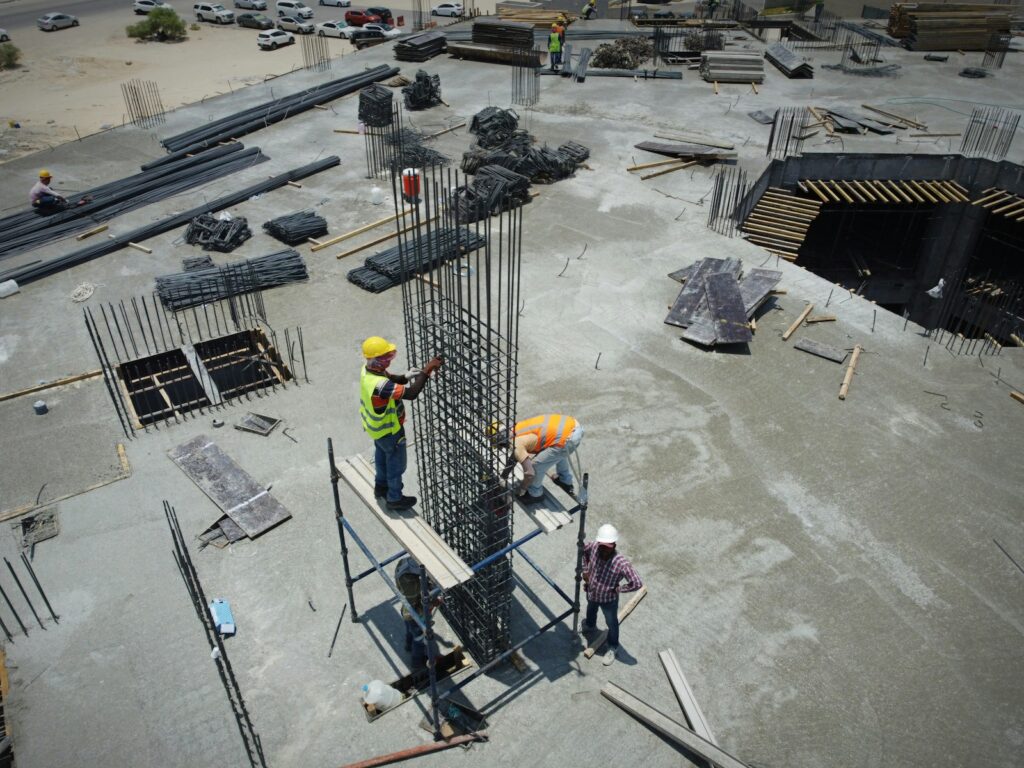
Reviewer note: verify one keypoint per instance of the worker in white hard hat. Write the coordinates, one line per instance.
(604, 571)
(383, 416)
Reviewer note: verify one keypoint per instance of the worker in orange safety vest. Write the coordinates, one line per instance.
(538, 444)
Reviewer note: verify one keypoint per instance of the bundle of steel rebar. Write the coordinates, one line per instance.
(193, 263)
(493, 126)
(580, 73)
(193, 288)
(260, 116)
(493, 190)
(25, 230)
(424, 92)
(297, 227)
(421, 47)
(218, 234)
(575, 152)
(423, 253)
(508, 34)
(371, 280)
(31, 272)
(375, 106)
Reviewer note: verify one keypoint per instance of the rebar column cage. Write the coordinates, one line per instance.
(990, 132)
(730, 201)
(468, 313)
(315, 53)
(143, 102)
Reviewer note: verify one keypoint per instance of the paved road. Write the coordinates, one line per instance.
(21, 14)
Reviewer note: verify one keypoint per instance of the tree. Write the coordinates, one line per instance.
(160, 24)
(9, 55)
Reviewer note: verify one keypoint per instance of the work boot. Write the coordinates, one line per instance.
(527, 499)
(404, 503)
(567, 487)
(380, 491)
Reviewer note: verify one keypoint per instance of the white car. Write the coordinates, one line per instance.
(252, 5)
(333, 29)
(52, 21)
(4, 37)
(273, 39)
(337, 3)
(214, 12)
(295, 8)
(291, 24)
(142, 7)
(447, 9)
(385, 29)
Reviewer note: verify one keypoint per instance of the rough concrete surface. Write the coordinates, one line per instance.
(824, 570)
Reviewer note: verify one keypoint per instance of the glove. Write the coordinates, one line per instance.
(433, 365)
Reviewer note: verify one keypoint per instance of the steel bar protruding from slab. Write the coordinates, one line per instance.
(23, 592)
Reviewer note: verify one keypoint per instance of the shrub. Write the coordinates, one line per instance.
(160, 24)
(10, 54)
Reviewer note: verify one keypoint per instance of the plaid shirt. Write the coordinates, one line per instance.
(603, 576)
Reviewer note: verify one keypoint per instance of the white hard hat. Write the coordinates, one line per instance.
(607, 534)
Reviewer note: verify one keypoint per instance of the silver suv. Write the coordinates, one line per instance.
(214, 12)
(252, 5)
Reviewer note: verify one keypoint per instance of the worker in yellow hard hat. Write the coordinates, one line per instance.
(383, 414)
(589, 10)
(555, 47)
(44, 199)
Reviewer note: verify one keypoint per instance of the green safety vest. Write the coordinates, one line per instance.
(376, 425)
(554, 43)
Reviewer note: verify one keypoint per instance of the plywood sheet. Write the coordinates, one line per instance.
(688, 303)
(755, 287)
(725, 304)
(821, 350)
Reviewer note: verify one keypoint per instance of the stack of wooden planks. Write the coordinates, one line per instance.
(948, 27)
(779, 222)
(539, 17)
(885, 191)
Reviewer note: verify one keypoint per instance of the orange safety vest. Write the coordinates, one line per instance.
(550, 429)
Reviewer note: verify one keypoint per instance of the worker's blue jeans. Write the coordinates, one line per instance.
(556, 58)
(416, 644)
(49, 204)
(610, 610)
(390, 460)
(557, 457)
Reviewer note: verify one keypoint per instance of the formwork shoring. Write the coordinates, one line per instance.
(467, 312)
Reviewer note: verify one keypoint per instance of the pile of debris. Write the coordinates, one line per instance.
(624, 53)
(731, 67)
(706, 40)
(424, 92)
(715, 305)
(421, 47)
(414, 256)
(297, 227)
(223, 233)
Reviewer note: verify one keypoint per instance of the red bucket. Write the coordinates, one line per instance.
(411, 183)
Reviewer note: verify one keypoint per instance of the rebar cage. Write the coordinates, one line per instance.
(466, 311)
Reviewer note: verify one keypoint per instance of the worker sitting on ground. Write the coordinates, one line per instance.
(44, 199)
(538, 444)
(383, 415)
(589, 10)
(407, 579)
(555, 47)
(603, 571)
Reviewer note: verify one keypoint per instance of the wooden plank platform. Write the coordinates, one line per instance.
(249, 505)
(410, 530)
(548, 515)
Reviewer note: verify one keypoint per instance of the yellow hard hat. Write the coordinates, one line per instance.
(375, 346)
(45, 174)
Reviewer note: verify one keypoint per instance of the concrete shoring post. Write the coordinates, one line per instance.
(339, 516)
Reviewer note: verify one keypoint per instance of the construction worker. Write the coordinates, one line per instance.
(554, 47)
(383, 414)
(407, 579)
(712, 6)
(44, 199)
(589, 10)
(604, 570)
(559, 27)
(563, 22)
(538, 444)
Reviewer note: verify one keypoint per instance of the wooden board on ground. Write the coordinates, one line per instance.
(249, 505)
(821, 350)
(409, 529)
(684, 695)
(685, 150)
(548, 515)
(682, 275)
(669, 728)
(756, 286)
(624, 611)
(726, 306)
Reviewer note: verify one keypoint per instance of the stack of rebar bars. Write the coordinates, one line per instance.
(297, 227)
(494, 189)
(508, 34)
(218, 234)
(421, 47)
(414, 256)
(194, 288)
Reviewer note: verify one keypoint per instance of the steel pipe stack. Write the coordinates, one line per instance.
(731, 67)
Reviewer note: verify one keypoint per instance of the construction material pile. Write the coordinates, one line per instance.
(410, 152)
(375, 106)
(221, 233)
(948, 27)
(295, 228)
(624, 53)
(421, 46)
(715, 305)
(424, 92)
(193, 288)
(500, 142)
(414, 256)
(507, 34)
(788, 61)
(262, 115)
(192, 263)
(731, 67)
(705, 40)
(493, 126)
(493, 190)
(538, 17)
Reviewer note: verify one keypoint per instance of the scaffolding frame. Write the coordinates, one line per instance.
(425, 621)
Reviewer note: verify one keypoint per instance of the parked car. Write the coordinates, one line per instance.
(638, 13)
(358, 18)
(252, 5)
(447, 9)
(295, 8)
(361, 33)
(384, 13)
(255, 21)
(664, 13)
(291, 24)
(142, 7)
(337, 3)
(52, 21)
(4, 37)
(214, 12)
(386, 30)
(332, 29)
(273, 39)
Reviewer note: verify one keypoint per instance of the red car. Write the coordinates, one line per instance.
(358, 18)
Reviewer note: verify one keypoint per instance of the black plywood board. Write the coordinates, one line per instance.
(689, 298)
(684, 150)
(682, 275)
(701, 332)
(755, 287)
(229, 486)
(726, 306)
(821, 350)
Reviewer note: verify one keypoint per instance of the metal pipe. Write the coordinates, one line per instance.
(23, 592)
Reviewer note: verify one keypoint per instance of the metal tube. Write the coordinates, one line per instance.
(340, 517)
(10, 605)
(42, 594)
(23, 592)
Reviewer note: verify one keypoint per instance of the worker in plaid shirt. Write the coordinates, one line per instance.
(604, 570)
